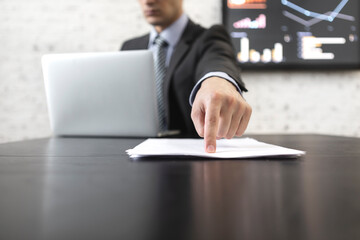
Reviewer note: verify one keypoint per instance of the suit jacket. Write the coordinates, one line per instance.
(198, 52)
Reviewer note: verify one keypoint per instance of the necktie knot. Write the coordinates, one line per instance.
(160, 42)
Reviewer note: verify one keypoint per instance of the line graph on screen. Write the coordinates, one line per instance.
(315, 17)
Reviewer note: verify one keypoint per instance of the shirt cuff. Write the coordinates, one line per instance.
(208, 75)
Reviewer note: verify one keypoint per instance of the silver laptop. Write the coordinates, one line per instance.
(101, 94)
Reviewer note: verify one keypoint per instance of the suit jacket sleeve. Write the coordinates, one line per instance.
(218, 55)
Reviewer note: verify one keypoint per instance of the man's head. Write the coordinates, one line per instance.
(161, 13)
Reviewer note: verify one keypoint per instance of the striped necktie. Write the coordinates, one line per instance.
(160, 72)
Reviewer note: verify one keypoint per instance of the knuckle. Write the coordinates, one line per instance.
(195, 114)
(215, 97)
(242, 109)
(232, 102)
(212, 120)
(245, 109)
(250, 110)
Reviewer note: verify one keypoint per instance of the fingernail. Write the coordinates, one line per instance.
(211, 149)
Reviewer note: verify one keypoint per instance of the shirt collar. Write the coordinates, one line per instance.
(172, 33)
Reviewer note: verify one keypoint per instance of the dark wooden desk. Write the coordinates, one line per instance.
(85, 188)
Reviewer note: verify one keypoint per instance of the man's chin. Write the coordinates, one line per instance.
(155, 21)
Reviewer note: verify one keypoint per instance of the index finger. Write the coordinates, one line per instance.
(211, 127)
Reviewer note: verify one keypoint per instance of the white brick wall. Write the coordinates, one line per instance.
(317, 102)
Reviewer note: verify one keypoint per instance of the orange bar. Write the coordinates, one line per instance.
(247, 6)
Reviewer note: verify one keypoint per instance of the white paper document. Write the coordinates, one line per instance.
(236, 148)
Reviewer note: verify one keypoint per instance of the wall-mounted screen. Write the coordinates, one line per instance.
(294, 33)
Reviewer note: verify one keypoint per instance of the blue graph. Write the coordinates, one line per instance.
(325, 17)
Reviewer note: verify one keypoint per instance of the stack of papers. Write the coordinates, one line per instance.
(236, 148)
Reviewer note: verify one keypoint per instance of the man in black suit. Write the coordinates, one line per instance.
(202, 69)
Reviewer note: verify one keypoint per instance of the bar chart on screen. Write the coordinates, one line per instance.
(247, 54)
(247, 4)
(247, 23)
(311, 46)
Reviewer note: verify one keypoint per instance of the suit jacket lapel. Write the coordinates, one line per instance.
(178, 55)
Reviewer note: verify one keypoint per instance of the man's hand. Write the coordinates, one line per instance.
(219, 111)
